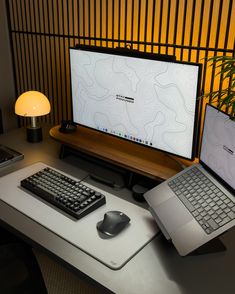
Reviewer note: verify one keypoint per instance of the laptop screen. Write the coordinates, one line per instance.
(218, 146)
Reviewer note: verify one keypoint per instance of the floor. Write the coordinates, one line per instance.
(60, 280)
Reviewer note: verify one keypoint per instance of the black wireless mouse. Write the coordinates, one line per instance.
(113, 223)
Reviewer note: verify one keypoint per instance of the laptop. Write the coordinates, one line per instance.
(197, 205)
(8, 155)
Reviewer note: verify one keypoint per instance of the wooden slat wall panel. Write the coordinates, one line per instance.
(42, 31)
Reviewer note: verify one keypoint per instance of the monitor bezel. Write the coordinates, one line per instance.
(152, 56)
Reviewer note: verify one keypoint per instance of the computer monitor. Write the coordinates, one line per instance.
(144, 98)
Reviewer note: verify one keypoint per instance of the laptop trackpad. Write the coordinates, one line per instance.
(173, 214)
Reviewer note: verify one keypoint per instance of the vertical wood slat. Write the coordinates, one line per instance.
(153, 24)
(54, 72)
(139, 24)
(43, 30)
(50, 90)
(160, 26)
(191, 29)
(200, 29)
(183, 29)
(176, 25)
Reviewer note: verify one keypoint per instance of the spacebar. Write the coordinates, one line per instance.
(185, 201)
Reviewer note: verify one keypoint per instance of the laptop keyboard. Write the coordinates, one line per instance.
(4, 156)
(8, 155)
(206, 202)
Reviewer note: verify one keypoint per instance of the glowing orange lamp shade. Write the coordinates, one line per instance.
(32, 104)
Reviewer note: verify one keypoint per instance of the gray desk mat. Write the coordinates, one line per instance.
(114, 252)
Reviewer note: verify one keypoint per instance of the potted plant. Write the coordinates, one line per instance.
(224, 97)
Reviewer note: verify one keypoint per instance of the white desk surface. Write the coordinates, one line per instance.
(157, 268)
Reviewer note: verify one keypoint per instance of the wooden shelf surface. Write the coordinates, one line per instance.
(134, 157)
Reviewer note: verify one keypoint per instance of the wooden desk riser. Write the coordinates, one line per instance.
(133, 157)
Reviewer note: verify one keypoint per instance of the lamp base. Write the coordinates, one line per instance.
(34, 134)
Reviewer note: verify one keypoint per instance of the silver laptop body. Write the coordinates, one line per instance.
(178, 219)
(8, 155)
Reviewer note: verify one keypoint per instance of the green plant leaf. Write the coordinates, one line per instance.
(225, 96)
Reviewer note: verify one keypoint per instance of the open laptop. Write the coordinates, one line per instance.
(8, 155)
(189, 209)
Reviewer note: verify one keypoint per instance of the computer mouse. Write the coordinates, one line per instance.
(113, 223)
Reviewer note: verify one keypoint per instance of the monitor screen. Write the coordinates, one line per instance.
(138, 97)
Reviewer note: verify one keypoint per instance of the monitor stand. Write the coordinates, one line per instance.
(129, 178)
(131, 156)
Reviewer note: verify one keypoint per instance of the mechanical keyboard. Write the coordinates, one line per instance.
(205, 201)
(71, 196)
